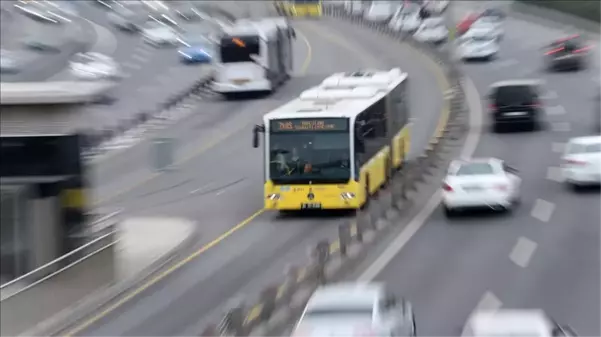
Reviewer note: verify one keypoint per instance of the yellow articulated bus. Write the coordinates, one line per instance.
(300, 7)
(336, 144)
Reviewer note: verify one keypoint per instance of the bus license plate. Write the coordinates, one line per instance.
(312, 205)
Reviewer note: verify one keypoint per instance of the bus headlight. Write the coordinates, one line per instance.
(274, 196)
(347, 195)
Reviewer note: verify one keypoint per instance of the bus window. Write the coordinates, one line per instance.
(239, 49)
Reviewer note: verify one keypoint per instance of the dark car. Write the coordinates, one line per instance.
(493, 12)
(569, 53)
(515, 103)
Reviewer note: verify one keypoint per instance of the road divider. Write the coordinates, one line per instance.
(278, 304)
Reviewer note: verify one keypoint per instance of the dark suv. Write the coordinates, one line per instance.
(515, 103)
(567, 54)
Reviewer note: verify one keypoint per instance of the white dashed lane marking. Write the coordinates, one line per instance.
(488, 302)
(554, 174)
(522, 252)
(561, 127)
(542, 210)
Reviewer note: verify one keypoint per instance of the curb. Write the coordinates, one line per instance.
(277, 304)
(69, 317)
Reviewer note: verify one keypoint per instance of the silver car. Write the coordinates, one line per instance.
(355, 309)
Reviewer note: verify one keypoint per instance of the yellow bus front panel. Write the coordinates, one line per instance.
(315, 196)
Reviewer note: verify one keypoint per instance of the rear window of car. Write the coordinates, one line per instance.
(471, 169)
(339, 312)
(569, 45)
(514, 94)
(584, 148)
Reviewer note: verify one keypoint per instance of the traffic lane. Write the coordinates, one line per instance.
(247, 264)
(563, 276)
(425, 92)
(197, 297)
(209, 123)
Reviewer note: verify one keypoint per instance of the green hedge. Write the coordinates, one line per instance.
(587, 9)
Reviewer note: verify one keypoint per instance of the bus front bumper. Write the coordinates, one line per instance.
(293, 204)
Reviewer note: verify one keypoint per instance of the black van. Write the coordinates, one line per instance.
(515, 103)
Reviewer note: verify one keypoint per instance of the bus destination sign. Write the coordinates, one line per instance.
(319, 124)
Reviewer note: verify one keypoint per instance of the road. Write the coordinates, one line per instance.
(222, 187)
(544, 255)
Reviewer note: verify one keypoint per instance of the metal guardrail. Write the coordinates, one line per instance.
(42, 293)
(71, 92)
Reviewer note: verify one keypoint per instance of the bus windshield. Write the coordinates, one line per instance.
(316, 156)
(238, 48)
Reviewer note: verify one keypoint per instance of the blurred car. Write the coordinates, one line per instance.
(94, 66)
(432, 30)
(464, 24)
(191, 14)
(492, 25)
(39, 11)
(515, 103)
(350, 309)
(477, 44)
(581, 161)
(44, 42)
(437, 6)
(494, 13)
(160, 34)
(9, 63)
(196, 49)
(379, 11)
(480, 183)
(522, 322)
(567, 53)
(406, 19)
(126, 19)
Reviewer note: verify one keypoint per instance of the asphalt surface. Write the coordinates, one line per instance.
(544, 255)
(151, 76)
(221, 186)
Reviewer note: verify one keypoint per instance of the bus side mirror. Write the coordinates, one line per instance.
(256, 130)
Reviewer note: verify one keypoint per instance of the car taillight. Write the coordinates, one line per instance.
(581, 50)
(535, 105)
(492, 107)
(551, 52)
(575, 162)
(501, 187)
(447, 188)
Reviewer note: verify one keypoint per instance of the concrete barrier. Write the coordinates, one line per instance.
(24, 93)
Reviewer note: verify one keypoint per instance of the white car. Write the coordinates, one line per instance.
(489, 23)
(480, 183)
(94, 66)
(379, 11)
(477, 44)
(9, 62)
(160, 34)
(511, 322)
(432, 30)
(581, 161)
(437, 6)
(404, 20)
(350, 309)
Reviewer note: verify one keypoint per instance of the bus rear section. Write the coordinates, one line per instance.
(254, 57)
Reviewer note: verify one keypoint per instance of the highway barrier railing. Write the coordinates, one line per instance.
(44, 292)
(278, 304)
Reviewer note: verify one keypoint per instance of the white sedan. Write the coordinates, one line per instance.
(406, 21)
(94, 66)
(159, 34)
(480, 183)
(432, 30)
(581, 162)
(354, 309)
(491, 24)
(477, 44)
(379, 11)
(522, 322)
(437, 6)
